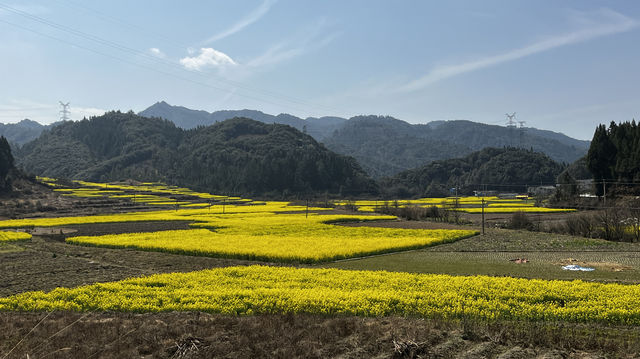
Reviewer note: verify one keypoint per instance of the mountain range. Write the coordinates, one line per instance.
(385, 146)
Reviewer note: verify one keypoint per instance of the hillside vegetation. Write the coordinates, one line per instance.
(495, 167)
(385, 146)
(231, 157)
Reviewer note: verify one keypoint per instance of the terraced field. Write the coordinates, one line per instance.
(278, 259)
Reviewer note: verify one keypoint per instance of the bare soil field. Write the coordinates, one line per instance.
(46, 262)
(202, 335)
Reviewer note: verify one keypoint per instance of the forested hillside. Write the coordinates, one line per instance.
(492, 166)
(237, 156)
(110, 147)
(385, 146)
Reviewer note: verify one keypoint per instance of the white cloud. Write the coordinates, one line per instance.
(254, 16)
(208, 57)
(609, 23)
(157, 52)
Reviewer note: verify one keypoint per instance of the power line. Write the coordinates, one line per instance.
(134, 63)
(166, 62)
(115, 20)
(25, 109)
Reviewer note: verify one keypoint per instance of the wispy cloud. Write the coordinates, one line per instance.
(608, 22)
(157, 53)
(252, 17)
(312, 39)
(208, 57)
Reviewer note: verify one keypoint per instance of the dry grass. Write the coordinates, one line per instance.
(198, 335)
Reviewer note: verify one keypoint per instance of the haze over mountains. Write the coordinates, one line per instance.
(23, 131)
(385, 146)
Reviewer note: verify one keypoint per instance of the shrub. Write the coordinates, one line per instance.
(519, 220)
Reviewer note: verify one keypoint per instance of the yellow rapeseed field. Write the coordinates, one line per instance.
(262, 289)
(468, 204)
(279, 237)
(187, 214)
(7, 236)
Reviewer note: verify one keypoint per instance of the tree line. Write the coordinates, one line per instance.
(614, 155)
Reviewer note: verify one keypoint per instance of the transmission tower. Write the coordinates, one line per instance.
(64, 113)
(511, 120)
(521, 127)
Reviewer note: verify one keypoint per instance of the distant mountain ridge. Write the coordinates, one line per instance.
(23, 131)
(385, 146)
(187, 118)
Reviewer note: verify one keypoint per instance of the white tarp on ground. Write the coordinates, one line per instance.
(577, 267)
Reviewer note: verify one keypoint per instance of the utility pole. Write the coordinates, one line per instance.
(456, 203)
(64, 113)
(483, 216)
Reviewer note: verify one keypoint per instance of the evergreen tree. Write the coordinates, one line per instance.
(6, 162)
(614, 154)
(600, 157)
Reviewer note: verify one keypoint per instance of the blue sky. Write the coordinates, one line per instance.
(560, 65)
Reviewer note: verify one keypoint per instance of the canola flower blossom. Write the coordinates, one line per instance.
(145, 193)
(468, 204)
(279, 238)
(262, 289)
(7, 236)
(187, 214)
